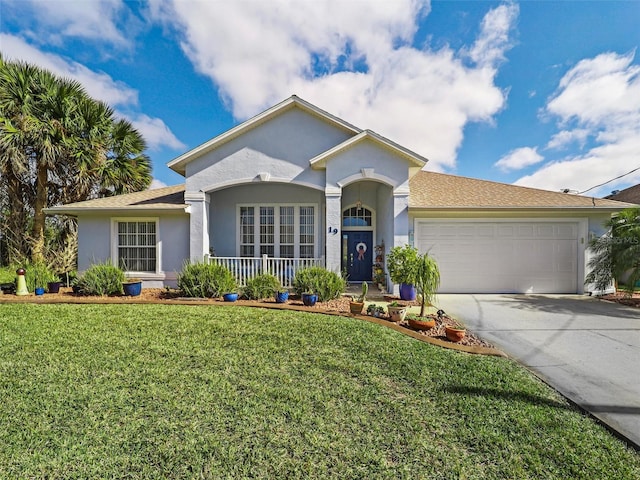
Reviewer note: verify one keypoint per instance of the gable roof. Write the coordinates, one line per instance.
(430, 190)
(166, 199)
(320, 161)
(179, 163)
(631, 195)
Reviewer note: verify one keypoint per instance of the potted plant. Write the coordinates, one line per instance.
(282, 296)
(54, 285)
(357, 303)
(402, 264)
(427, 280)
(419, 322)
(230, 296)
(309, 299)
(396, 311)
(132, 287)
(455, 332)
(375, 310)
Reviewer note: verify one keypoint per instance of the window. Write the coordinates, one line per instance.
(307, 234)
(283, 231)
(137, 246)
(356, 217)
(246, 232)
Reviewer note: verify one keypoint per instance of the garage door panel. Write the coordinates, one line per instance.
(503, 257)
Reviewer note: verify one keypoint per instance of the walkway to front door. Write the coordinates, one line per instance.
(357, 255)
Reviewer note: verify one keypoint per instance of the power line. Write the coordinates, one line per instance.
(609, 181)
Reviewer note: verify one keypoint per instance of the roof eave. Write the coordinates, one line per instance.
(74, 212)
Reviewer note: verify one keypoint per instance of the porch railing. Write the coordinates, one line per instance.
(245, 268)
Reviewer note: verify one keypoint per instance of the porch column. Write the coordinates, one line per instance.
(198, 224)
(333, 200)
(400, 223)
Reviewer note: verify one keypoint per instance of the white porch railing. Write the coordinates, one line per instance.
(245, 268)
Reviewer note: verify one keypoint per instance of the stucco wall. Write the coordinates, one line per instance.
(281, 148)
(94, 244)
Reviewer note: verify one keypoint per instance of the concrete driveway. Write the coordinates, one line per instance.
(588, 350)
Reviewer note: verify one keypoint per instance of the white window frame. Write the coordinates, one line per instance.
(115, 245)
(276, 211)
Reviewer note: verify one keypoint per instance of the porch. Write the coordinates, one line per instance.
(246, 268)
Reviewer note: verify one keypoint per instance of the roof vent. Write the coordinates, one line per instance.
(615, 192)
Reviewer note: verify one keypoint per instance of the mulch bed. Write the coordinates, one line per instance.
(623, 298)
(339, 306)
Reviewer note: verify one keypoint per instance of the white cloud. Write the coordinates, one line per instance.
(599, 97)
(566, 137)
(98, 85)
(518, 159)
(494, 39)
(54, 21)
(155, 132)
(155, 183)
(259, 53)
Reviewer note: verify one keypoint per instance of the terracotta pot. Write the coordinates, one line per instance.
(454, 334)
(356, 308)
(397, 314)
(422, 324)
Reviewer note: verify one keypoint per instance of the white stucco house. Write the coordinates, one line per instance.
(296, 186)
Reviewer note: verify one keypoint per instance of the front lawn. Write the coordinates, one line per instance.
(156, 391)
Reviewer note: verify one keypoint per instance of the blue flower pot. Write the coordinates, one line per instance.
(132, 289)
(39, 291)
(230, 297)
(407, 292)
(309, 299)
(282, 297)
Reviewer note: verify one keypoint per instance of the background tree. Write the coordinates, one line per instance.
(616, 255)
(58, 145)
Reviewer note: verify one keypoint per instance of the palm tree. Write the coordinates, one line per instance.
(616, 255)
(58, 145)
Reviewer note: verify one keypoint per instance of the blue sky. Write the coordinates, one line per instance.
(538, 93)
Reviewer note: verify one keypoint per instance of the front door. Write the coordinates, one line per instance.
(357, 255)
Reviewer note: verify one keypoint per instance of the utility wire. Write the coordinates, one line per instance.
(609, 181)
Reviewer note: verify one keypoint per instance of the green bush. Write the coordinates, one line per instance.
(37, 274)
(262, 286)
(327, 285)
(101, 279)
(205, 280)
(403, 263)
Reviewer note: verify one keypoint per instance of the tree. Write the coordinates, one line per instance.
(616, 255)
(58, 145)
(427, 280)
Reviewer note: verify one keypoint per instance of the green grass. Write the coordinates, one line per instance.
(146, 391)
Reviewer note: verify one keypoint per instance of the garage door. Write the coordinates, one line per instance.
(509, 257)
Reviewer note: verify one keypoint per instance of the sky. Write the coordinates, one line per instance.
(543, 94)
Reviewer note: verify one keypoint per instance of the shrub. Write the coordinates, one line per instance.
(328, 285)
(101, 279)
(402, 263)
(262, 286)
(205, 280)
(37, 274)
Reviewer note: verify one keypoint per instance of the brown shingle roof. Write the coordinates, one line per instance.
(631, 195)
(166, 198)
(430, 190)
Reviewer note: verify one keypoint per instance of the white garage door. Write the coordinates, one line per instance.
(509, 257)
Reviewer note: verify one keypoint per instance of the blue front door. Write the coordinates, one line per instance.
(357, 255)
